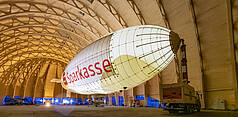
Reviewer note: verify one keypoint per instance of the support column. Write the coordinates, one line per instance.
(124, 97)
(116, 98)
(110, 99)
(132, 99)
(145, 93)
(129, 97)
(83, 99)
(68, 94)
(134, 96)
(159, 83)
(233, 48)
(49, 86)
(2, 93)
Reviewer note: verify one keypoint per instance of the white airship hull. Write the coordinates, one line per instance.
(125, 58)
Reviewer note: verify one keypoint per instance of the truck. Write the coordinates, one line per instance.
(179, 97)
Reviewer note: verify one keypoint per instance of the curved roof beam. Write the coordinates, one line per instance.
(87, 10)
(61, 46)
(22, 64)
(16, 34)
(4, 68)
(7, 72)
(10, 80)
(31, 40)
(33, 73)
(47, 19)
(11, 72)
(31, 45)
(28, 68)
(45, 42)
(137, 11)
(129, 15)
(163, 13)
(33, 54)
(46, 27)
(50, 8)
(111, 10)
(62, 63)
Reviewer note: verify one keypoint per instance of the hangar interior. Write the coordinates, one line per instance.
(38, 38)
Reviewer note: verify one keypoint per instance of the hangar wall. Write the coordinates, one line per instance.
(206, 30)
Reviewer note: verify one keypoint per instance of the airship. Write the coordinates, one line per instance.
(124, 58)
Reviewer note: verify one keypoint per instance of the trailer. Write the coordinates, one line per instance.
(179, 97)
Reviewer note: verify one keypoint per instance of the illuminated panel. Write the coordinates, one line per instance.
(125, 58)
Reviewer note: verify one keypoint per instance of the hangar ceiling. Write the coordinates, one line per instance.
(38, 37)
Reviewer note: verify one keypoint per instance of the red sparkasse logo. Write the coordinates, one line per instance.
(78, 75)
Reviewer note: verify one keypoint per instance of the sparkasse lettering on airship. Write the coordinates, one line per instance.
(86, 72)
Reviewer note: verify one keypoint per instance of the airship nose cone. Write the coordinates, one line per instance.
(174, 41)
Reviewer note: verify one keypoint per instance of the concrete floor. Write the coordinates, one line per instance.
(85, 111)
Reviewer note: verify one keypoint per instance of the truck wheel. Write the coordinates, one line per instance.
(198, 109)
(173, 111)
(188, 109)
(191, 108)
